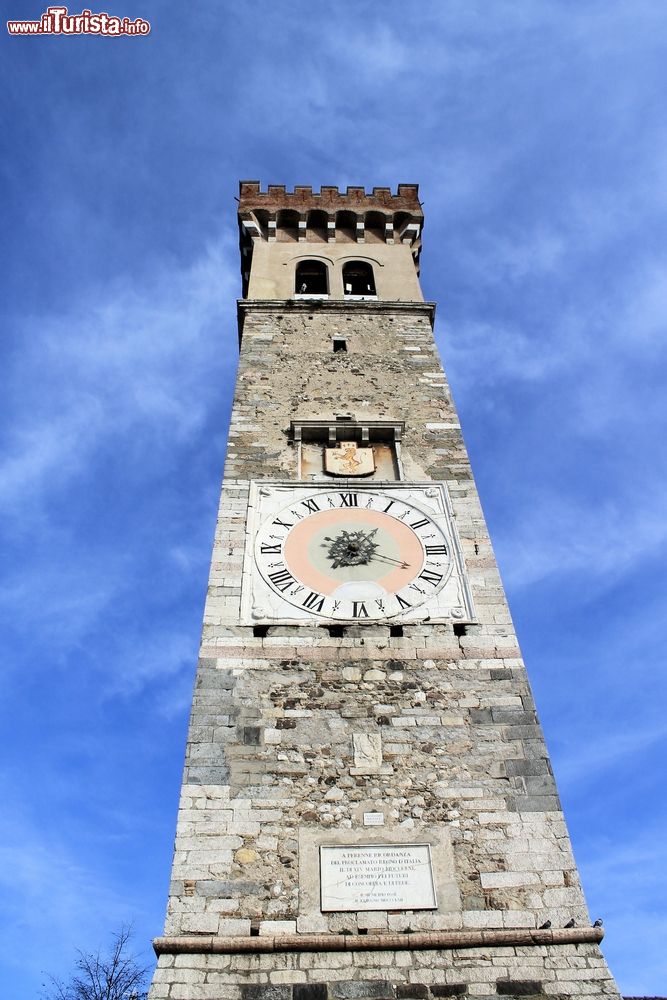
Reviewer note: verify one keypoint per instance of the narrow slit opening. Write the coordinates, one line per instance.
(460, 629)
(396, 631)
(260, 631)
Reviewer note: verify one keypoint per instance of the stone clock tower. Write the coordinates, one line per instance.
(368, 808)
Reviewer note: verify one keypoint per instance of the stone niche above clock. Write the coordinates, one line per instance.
(345, 448)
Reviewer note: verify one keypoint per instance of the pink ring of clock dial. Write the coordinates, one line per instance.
(307, 559)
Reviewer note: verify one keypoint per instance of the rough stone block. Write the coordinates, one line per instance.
(310, 991)
(483, 918)
(378, 989)
(513, 716)
(277, 927)
(524, 732)
(542, 784)
(234, 927)
(501, 880)
(481, 716)
(200, 923)
(519, 987)
(266, 992)
(288, 976)
(533, 803)
(520, 767)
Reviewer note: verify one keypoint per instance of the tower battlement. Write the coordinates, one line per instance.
(329, 197)
(335, 219)
(330, 215)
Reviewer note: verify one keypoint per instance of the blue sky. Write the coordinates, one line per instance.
(538, 134)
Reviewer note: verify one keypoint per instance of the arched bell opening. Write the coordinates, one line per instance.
(358, 280)
(311, 279)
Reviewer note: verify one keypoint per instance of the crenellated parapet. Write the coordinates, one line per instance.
(277, 196)
(330, 215)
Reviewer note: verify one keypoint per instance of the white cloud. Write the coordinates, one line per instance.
(556, 534)
(52, 896)
(167, 655)
(481, 353)
(605, 751)
(628, 878)
(130, 358)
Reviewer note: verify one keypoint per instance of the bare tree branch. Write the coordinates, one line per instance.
(113, 976)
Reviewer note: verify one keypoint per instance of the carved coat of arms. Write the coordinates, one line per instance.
(348, 460)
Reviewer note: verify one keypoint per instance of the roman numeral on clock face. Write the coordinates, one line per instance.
(349, 500)
(436, 550)
(270, 550)
(419, 524)
(310, 505)
(283, 524)
(281, 579)
(430, 577)
(315, 602)
(359, 609)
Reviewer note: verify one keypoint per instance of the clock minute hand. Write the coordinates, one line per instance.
(390, 559)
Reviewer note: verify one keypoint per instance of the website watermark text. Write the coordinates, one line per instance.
(58, 21)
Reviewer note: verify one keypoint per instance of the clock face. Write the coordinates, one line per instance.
(354, 555)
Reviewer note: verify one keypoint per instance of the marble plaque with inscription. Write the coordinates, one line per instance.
(377, 877)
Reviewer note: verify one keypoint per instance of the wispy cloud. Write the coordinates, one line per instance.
(114, 366)
(607, 752)
(630, 877)
(552, 535)
(49, 894)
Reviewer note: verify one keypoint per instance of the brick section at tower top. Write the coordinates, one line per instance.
(276, 197)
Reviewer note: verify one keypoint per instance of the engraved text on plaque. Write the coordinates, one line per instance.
(377, 877)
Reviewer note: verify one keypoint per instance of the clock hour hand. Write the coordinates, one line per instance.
(350, 548)
(357, 548)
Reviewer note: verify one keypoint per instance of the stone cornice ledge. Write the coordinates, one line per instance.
(435, 940)
(335, 305)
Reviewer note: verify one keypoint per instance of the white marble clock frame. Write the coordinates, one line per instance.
(261, 605)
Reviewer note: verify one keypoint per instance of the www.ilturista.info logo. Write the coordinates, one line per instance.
(57, 21)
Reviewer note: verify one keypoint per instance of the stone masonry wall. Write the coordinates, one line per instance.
(391, 371)
(484, 973)
(274, 764)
